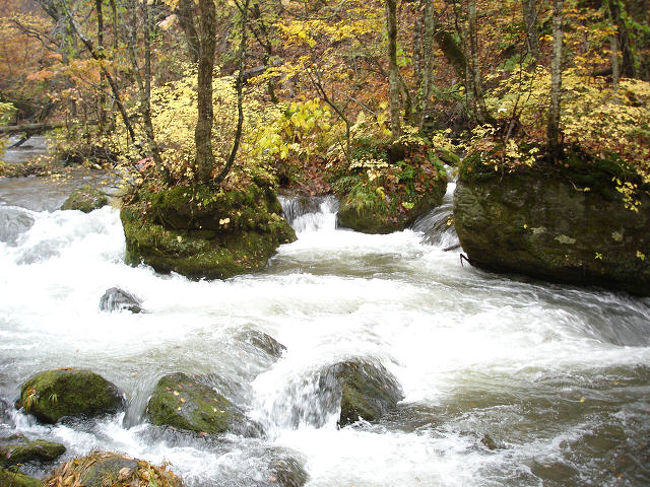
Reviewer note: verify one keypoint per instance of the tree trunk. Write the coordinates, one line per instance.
(628, 68)
(240, 95)
(185, 13)
(204, 161)
(426, 85)
(100, 46)
(393, 69)
(531, 26)
(553, 129)
(481, 112)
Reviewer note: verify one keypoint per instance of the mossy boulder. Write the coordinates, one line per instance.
(387, 186)
(204, 232)
(59, 393)
(17, 449)
(185, 403)
(85, 199)
(113, 470)
(367, 390)
(566, 224)
(10, 478)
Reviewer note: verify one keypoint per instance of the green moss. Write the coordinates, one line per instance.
(184, 403)
(368, 391)
(55, 394)
(9, 478)
(203, 233)
(17, 449)
(85, 199)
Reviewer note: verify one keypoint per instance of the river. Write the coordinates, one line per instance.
(507, 381)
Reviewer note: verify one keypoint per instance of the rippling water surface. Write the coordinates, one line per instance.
(507, 381)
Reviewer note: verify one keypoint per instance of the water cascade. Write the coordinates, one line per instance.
(506, 381)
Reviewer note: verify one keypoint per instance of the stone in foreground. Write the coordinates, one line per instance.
(60, 393)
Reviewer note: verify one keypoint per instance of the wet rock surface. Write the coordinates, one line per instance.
(116, 299)
(56, 394)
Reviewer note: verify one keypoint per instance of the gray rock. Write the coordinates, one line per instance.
(115, 299)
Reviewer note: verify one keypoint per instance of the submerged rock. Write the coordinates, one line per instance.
(85, 199)
(559, 225)
(10, 478)
(59, 393)
(115, 299)
(17, 449)
(368, 390)
(262, 341)
(203, 232)
(111, 469)
(14, 222)
(185, 403)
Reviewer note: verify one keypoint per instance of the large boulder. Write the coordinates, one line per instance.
(85, 199)
(10, 478)
(559, 225)
(204, 232)
(115, 299)
(367, 390)
(185, 403)
(110, 469)
(59, 393)
(16, 449)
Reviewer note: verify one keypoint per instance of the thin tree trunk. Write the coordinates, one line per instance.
(426, 87)
(482, 115)
(531, 25)
(100, 45)
(204, 161)
(393, 69)
(628, 68)
(553, 128)
(111, 82)
(185, 13)
(240, 96)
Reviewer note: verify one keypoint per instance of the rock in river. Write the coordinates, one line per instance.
(59, 393)
(115, 299)
(110, 469)
(560, 225)
(368, 390)
(185, 403)
(17, 449)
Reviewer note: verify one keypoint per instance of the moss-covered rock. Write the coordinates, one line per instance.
(204, 232)
(185, 403)
(9, 478)
(368, 390)
(85, 199)
(387, 186)
(112, 470)
(366, 216)
(59, 393)
(565, 224)
(17, 449)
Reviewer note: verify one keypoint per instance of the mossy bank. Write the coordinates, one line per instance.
(202, 231)
(565, 223)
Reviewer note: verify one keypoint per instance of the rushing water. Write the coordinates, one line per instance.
(507, 381)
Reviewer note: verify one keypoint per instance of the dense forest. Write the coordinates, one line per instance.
(370, 101)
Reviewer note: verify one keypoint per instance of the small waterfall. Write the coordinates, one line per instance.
(310, 214)
(437, 225)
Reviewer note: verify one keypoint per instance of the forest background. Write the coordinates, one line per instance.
(313, 94)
